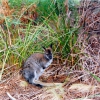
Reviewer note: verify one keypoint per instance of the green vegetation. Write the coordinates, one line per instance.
(17, 43)
(19, 3)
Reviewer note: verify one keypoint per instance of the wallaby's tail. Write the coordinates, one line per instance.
(46, 84)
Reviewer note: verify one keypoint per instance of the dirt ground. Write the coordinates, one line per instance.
(69, 88)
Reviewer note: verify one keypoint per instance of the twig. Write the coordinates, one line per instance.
(12, 98)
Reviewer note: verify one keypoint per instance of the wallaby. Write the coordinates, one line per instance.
(35, 65)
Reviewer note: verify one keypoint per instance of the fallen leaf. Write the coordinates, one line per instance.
(23, 84)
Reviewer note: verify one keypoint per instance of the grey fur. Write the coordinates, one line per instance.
(35, 65)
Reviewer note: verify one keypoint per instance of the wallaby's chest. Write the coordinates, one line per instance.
(48, 63)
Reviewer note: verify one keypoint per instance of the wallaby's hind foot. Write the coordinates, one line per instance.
(38, 85)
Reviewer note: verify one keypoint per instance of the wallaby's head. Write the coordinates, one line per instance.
(48, 52)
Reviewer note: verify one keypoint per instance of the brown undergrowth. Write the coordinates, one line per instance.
(21, 90)
(5, 11)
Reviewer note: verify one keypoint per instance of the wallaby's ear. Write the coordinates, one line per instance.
(51, 45)
(43, 48)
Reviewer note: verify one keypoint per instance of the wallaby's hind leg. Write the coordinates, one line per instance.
(31, 78)
(31, 81)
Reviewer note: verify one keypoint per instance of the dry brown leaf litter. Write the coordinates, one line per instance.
(5, 11)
